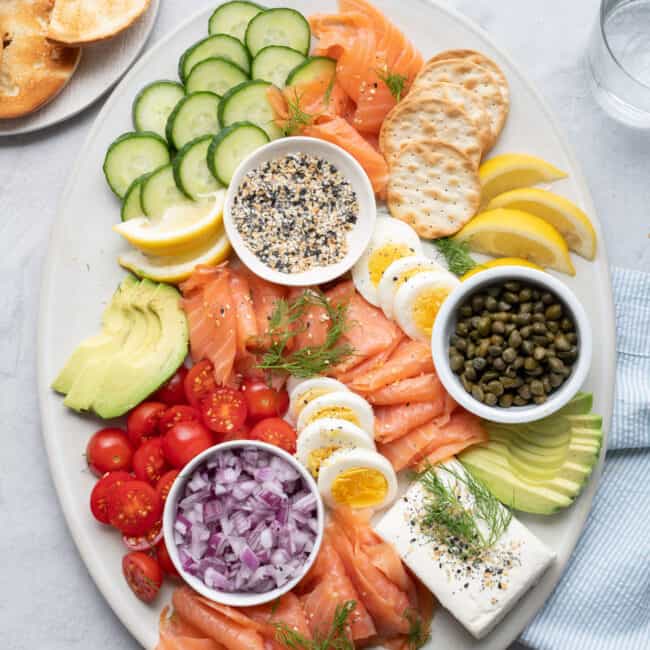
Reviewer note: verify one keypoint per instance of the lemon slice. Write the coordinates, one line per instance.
(177, 268)
(510, 171)
(181, 228)
(513, 233)
(566, 217)
(500, 261)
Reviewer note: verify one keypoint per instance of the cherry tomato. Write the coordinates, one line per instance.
(109, 450)
(224, 410)
(264, 401)
(165, 483)
(149, 461)
(143, 575)
(173, 390)
(101, 491)
(144, 542)
(199, 382)
(276, 432)
(243, 433)
(142, 422)
(184, 441)
(175, 414)
(165, 561)
(134, 507)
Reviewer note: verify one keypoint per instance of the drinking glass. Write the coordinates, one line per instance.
(618, 60)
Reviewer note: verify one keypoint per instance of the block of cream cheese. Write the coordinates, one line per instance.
(478, 591)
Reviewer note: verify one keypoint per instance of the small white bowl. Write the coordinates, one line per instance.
(358, 238)
(236, 599)
(445, 324)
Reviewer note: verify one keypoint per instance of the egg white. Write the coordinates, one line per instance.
(330, 403)
(308, 390)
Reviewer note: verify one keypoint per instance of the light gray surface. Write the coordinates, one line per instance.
(47, 599)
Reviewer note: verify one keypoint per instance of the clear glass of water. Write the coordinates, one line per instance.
(618, 60)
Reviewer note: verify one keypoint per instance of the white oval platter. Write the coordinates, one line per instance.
(81, 273)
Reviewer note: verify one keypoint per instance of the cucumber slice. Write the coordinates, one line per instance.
(195, 115)
(159, 191)
(132, 205)
(218, 45)
(154, 103)
(315, 67)
(215, 75)
(233, 18)
(191, 172)
(248, 103)
(231, 146)
(132, 155)
(286, 27)
(274, 63)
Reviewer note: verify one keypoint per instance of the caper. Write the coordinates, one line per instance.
(462, 329)
(556, 365)
(566, 325)
(456, 363)
(570, 355)
(524, 391)
(553, 326)
(496, 339)
(555, 380)
(530, 364)
(539, 399)
(526, 308)
(484, 326)
(525, 295)
(512, 285)
(539, 328)
(508, 382)
(478, 302)
(527, 347)
(491, 304)
(475, 321)
(461, 344)
(526, 331)
(452, 350)
(467, 384)
(505, 401)
(536, 387)
(547, 298)
(498, 327)
(489, 376)
(554, 312)
(538, 307)
(498, 364)
(470, 352)
(519, 401)
(511, 298)
(514, 340)
(490, 399)
(474, 335)
(477, 393)
(539, 353)
(572, 337)
(483, 348)
(518, 363)
(504, 306)
(536, 294)
(495, 387)
(479, 363)
(546, 382)
(510, 327)
(495, 350)
(510, 372)
(494, 291)
(562, 343)
(509, 355)
(466, 310)
(502, 316)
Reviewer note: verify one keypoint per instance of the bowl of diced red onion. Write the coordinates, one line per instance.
(243, 523)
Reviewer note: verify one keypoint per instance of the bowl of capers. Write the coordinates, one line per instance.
(512, 344)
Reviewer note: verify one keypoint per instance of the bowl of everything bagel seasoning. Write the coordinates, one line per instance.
(299, 211)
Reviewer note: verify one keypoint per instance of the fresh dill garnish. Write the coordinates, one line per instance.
(337, 637)
(310, 360)
(456, 253)
(418, 635)
(297, 119)
(394, 81)
(467, 526)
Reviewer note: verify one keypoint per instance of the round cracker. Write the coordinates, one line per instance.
(479, 59)
(467, 101)
(433, 187)
(32, 70)
(430, 118)
(471, 77)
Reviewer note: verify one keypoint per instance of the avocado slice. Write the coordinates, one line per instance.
(539, 467)
(144, 339)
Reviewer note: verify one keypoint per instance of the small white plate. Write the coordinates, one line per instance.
(101, 67)
(358, 238)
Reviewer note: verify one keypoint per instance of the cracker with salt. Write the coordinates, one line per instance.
(433, 187)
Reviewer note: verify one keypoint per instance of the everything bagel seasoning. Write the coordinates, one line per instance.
(295, 212)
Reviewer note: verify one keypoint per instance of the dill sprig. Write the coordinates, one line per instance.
(310, 360)
(449, 518)
(417, 635)
(337, 638)
(456, 254)
(297, 118)
(394, 81)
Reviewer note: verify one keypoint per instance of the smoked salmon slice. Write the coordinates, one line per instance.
(423, 388)
(392, 422)
(176, 634)
(311, 329)
(370, 364)
(208, 305)
(244, 310)
(286, 611)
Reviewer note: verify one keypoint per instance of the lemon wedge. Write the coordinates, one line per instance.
(513, 233)
(180, 229)
(176, 268)
(500, 261)
(510, 171)
(566, 217)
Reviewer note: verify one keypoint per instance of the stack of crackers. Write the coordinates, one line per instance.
(435, 138)
(41, 40)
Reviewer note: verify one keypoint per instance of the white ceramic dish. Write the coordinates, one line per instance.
(237, 599)
(358, 238)
(446, 322)
(81, 273)
(101, 66)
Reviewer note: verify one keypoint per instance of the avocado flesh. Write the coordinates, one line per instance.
(143, 341)
(542, 466)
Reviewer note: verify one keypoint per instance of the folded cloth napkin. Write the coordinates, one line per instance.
(603, 599)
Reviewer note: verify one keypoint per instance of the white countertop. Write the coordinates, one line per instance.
(47, 599)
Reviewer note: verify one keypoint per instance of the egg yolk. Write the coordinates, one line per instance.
(317, 457)
(308, 396)
(407, 275)
(381, 258)
(426, 307)
(340, 412)
(360, 487)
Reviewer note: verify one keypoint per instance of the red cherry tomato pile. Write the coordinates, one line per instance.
(187, 415)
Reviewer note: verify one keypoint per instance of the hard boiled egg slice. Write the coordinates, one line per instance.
(343, 405)
(359, 478)
(418, 301)
(309, 390)
(397, 274)
(391, 240)
(320, 439)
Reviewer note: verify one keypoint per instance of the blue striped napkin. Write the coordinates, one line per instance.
(603, 599)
